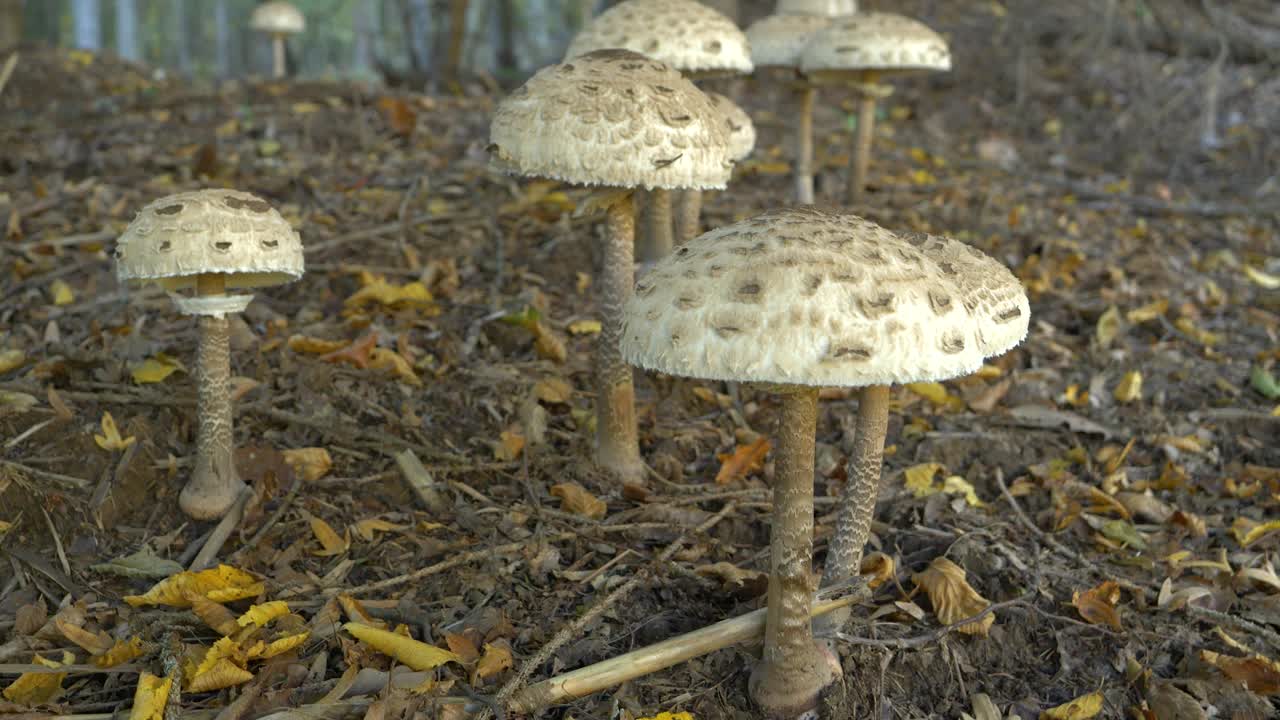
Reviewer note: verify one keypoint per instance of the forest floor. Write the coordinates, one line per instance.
(1124, 462)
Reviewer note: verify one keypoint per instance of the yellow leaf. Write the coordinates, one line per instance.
(1258, 673)
(11, 359)
(670, 716)
(417, 655)
(263, 613)
(1150, 311)
(496, 658)
(377, 290)
(956, 485)
(919, 478)
(38, 688)
(220, 584)
(935, 393)
(92, 643)
(744, 460)
(330, 542)
(61, 293)
(1130, 387)
(1204, 337)
(554, 391)
(120, 653)
(309, 463)
(1082, 708)
(952, 597)
(388, 359)
(306, 345)
(584, 327)
(1098, 605)
(509, 446)
(576, 499)
(367, 528)
(150, 697)
(110, 438)
(279, 646)
(156, 369)
(222, 674)
(1247, 532)
(1108, 327)
(1262, 279)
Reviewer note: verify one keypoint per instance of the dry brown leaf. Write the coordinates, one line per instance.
(463, 647)
(509, 446)
(398, 115)
(576, 499)
(309, 463)
(331, 543)
(305, 345)
(879, 567)
(1261, 675)
(953, 598)
(1098, 605)
(93, 643)
(744, 460)
(497, 658)
(553, 391)
(368, 528)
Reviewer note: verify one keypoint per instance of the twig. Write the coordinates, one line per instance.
(575, 628)
(7, 72)
(449, 564)
(271, 521)
(46, 475)
(667, 653)
(222, 531)
(932, 637)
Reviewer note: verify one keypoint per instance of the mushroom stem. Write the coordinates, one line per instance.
(688, 215)
(277, 55)
(617, 446)
(853, 523)
(655, 240)
(804, 145)
(792, 674)
(860, 153)
(214, 484)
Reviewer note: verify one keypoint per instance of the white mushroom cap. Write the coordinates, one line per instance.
(615, 118)
(176, 238)
(803, 296)
(779, 40)
(277, 17)
(875, 41)
(742, 132)
(684, 34)
(825, 8)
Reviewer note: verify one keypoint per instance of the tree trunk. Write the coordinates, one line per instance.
(179, 36)
(10, 23)
(222, 38)
(127, 30)
(86, 22)
(457, 41)
(368, 26)
(417, 29)
(509, 16)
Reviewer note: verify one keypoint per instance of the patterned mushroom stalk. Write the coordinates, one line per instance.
(277, 19)
(686, 35)
(777, 42)
(618, 120)
(860, 50)
(198, 245)
(742, 140)
(799, 299)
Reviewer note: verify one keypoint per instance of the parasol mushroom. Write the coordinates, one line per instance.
(696, 40)
(616, 119)
(795, 300)
(861, 49)
(742, 140)
(208, 242)
(277, 19)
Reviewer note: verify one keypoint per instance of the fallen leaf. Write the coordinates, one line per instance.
(61, 293)
(1130, 387)
(110, 438)
(1260, 379)
(669, 716)
(262, 613)
(463, 647)
(331, 543)
(509, 446)
(1261, 675)
(1082, 708)
(415, 654)
(220, 584)
(953, 598)
(576, 499)
(1262, 279)
(309, 463)
(150, 697)
(11, 359)
(314, 346)
(919, 480)
(584, 327)
(368, 528)
(553, 391)
(33, 689)
(1098, 605)
(1108, 327)
(390, 360)
(398, 115)
(92, 643)
(879, 567)
(1248, 532)
(496, 658)
(156, 369)
(936, 393)
(215, 615)
(142, 564)
(222, 674)
(744, 460)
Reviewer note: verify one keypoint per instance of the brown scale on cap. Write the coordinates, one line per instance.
(819, 297)
(684, 34)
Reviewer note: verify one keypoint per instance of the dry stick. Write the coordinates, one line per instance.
(573, 629)
(1272, 638)
(46, 475)
(446, 565)
(658, 656)
(928, 638)
(7, 72)
(271, 521)
(222, 531)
